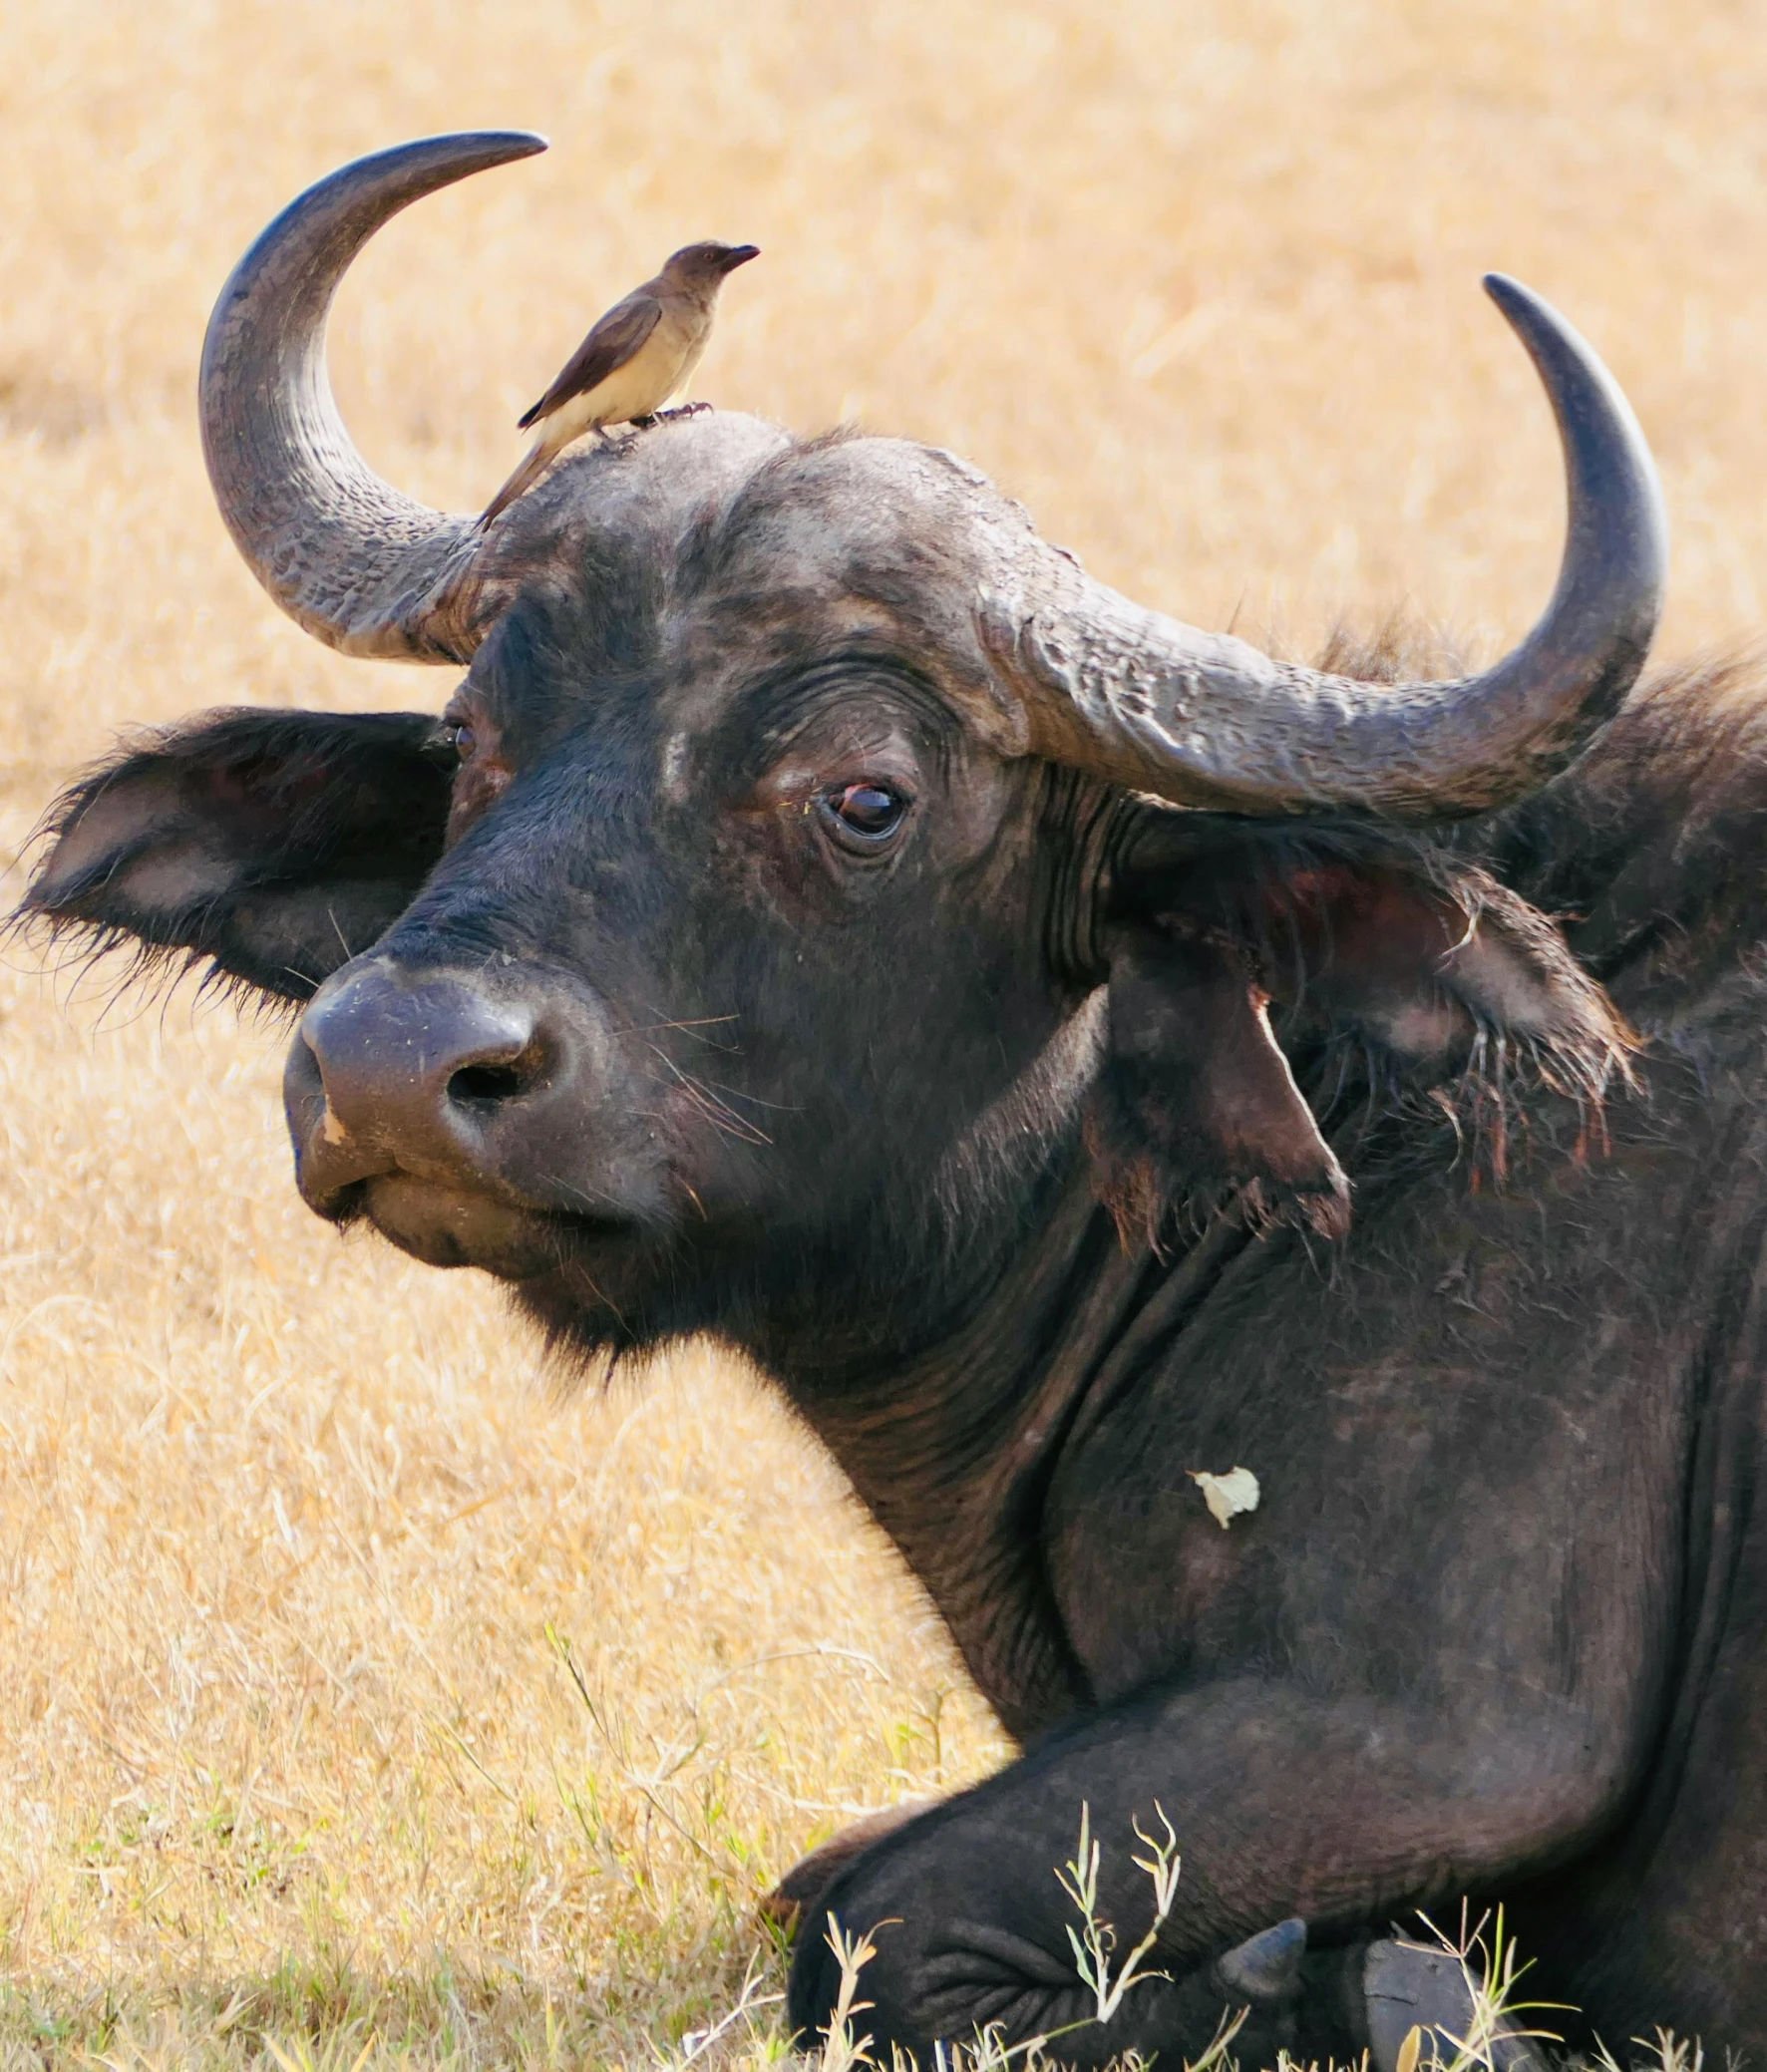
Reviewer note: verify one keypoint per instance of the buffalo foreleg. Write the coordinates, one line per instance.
(799, 1890)
(1345, 1814)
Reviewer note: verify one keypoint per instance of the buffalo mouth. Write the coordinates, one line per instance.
(441, 1109)
(450, 1225)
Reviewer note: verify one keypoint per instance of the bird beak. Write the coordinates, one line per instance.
(739, 255)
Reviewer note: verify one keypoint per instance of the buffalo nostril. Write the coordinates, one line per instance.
(483, 1085)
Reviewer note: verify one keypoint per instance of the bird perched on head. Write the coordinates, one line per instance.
(642, 352)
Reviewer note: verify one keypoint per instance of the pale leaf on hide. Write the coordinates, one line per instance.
(1227, 1494)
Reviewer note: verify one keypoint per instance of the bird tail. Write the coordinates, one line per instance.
(539, 458)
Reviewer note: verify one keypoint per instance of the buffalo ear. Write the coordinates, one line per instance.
(1436, 977)
(1419, 959)
(1194, 1104)
(275, 846)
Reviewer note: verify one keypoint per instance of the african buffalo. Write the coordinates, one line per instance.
(826, 918)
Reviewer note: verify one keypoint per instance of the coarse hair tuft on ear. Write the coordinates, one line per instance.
(1236, 951)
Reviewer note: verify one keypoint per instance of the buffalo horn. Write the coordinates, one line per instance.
(1203, 720)
(357, 562)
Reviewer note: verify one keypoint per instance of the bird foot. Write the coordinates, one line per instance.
(684, 410)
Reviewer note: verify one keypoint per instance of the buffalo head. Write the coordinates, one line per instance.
(815, 867)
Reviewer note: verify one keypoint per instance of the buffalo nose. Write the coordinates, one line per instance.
(391, 1068)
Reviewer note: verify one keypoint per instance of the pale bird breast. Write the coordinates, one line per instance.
(694, 353)
(645, 383)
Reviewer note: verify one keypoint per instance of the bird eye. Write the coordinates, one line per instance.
(866, 813)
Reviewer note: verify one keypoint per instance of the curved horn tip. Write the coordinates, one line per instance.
(499, 145)
(1528, 312)
(1557, 348)
(394, 175)
(1606, 454)
(487, 147)
(1531, 315)
(1510, 293)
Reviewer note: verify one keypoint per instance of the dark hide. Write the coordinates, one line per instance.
(1046, 1146)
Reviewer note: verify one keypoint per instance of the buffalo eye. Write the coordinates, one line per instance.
(459, 736)
(864, 814)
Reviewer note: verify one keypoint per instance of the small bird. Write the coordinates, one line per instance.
(642, 352)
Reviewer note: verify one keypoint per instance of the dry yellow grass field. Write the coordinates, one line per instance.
(353, 1688)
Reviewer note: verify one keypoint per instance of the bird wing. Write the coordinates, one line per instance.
(607, 348)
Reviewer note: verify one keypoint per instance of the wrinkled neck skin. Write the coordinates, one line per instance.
(952, 1445)
(952, 1449)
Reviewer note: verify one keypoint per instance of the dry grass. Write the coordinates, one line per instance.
(284, 1524)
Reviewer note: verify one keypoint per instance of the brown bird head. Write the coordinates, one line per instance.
(704, 265)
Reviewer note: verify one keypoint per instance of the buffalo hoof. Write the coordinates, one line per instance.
(1259, 1980)
(1264, 1970)
(1405, 1989)
(799, 1891)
